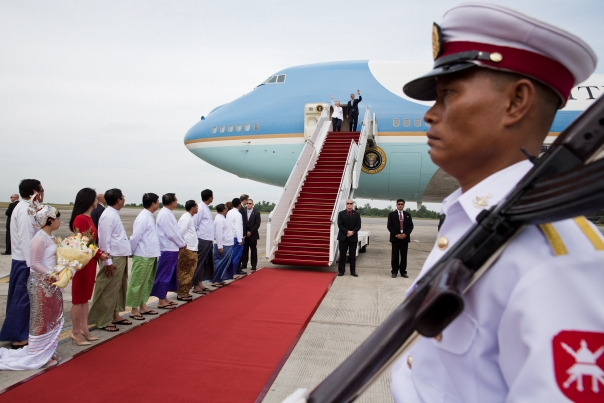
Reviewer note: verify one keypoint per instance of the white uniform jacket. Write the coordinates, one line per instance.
(168, 231)
(532, 329)
(235, 220)
(144, 241)
(22, 231)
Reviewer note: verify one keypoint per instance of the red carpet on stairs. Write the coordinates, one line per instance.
(305, 241)
(223, 347)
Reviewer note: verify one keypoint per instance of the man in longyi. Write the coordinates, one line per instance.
(187, 257)
(204, 226)
(111, 284)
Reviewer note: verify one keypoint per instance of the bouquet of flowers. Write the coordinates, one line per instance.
(73, 253)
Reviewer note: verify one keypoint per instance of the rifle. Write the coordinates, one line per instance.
(566, 181)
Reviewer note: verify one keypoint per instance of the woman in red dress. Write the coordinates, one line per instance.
(83, 280)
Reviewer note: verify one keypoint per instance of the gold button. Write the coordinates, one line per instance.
(438, 337)
(442, 243)
(496, 57)
(409, 361)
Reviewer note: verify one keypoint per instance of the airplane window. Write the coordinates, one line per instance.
(396, 122)
(221, 129)
(214, 129)
(256, 126)
(230, 128)
(238, 128)
(407, 122)
(417, 122)
(272, 80)
(281, 78)
(247, 127)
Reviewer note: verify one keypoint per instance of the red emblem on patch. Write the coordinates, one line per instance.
(579, 365)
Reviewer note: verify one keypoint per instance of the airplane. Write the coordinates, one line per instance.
(260, 135)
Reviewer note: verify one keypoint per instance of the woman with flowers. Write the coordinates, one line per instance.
(46, 300)
(83, 281)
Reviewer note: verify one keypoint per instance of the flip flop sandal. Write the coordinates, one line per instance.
(202, 292)
(137, 317)
(186, 299)
(111, 328)
(169, 307)
(151, 312)
(173, 303)
(124, 322)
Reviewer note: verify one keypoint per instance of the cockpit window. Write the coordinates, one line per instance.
(280, 79)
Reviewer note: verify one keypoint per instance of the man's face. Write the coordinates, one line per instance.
(352, 96)
(194, 210)
(349, 205)
(465, 122)
(250, 204)
(14, 198)
(337, 103)
(400, 206)
(41, 193)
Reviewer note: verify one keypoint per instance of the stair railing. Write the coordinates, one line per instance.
(343, 195)
(366, 133)
(279, 217)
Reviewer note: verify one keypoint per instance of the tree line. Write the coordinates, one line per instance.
(422, 212)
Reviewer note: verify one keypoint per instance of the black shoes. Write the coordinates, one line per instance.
(5, 253)
(253, 269)
(340, 274)
(354, 275)
(404, 275)
(241, 272)
(394, 275)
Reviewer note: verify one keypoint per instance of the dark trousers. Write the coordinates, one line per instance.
(354, 119)
(8, 240)
(399, 248)
(337, 124)
(351, 248)
(250, 244)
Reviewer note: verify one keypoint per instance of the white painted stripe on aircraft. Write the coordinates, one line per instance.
(246, 142)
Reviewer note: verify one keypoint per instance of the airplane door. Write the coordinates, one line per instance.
(405, 170)
(312, 113)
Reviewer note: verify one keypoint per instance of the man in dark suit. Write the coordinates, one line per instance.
(400, 226)
(14, 200)
(98, 211)
(349, 224)
(242, 209)
(352, 111)
(251, 235)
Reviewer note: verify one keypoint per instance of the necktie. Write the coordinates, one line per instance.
(400, 217)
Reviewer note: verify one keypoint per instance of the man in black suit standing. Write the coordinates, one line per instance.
(242, 209)
(98, 211)
(352, 111)
(400, 226)
(349, 224)
(251, 235)
(14, 200)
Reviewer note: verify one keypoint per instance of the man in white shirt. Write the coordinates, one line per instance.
(170, 242)
(16, 323)
(111, 285)
(532, 326)
(223, 247)
(236, 222)
(204, 226)
(337, 116)
(144, 243)
(187, 258)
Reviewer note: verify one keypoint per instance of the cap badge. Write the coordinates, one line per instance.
(437, 41)
(481, 202)
(496, 57)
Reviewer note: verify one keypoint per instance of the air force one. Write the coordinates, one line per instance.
(260, 135)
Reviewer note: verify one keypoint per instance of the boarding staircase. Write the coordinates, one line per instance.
(302, 229)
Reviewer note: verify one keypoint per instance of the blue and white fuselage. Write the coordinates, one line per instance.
(261, 134)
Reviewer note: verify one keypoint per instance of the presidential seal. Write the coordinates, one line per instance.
(374, 160)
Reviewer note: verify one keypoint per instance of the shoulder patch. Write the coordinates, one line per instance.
(554, 239)
(589, 232)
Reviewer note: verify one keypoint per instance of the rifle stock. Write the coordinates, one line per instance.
(438, 297)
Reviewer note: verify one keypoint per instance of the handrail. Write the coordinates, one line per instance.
(366, 131)
(306, 161)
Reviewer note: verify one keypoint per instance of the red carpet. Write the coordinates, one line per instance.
(223, 347)
(305, 241)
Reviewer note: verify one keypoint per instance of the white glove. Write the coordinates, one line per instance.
(299, 396)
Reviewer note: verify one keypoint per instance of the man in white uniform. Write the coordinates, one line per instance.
(187, 257)
(235, 220)
(498, 80)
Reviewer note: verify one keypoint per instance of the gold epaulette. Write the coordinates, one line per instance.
(556, 243)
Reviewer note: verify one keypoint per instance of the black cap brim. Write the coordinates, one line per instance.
(424, 87)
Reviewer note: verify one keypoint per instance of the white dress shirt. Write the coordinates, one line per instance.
(187, 231)
(506, 344)
(144, 240)
(224, 234)
(112, 235)
(337, 111)
(236, 222)
(249, 213)
(22, 232)
(168, 232)
(204, 225)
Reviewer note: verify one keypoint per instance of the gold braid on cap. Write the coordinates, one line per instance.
(437, 41)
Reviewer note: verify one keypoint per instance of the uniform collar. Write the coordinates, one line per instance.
(489, 192)
(114, 210)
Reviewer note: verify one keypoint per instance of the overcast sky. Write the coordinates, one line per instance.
(101, 93)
